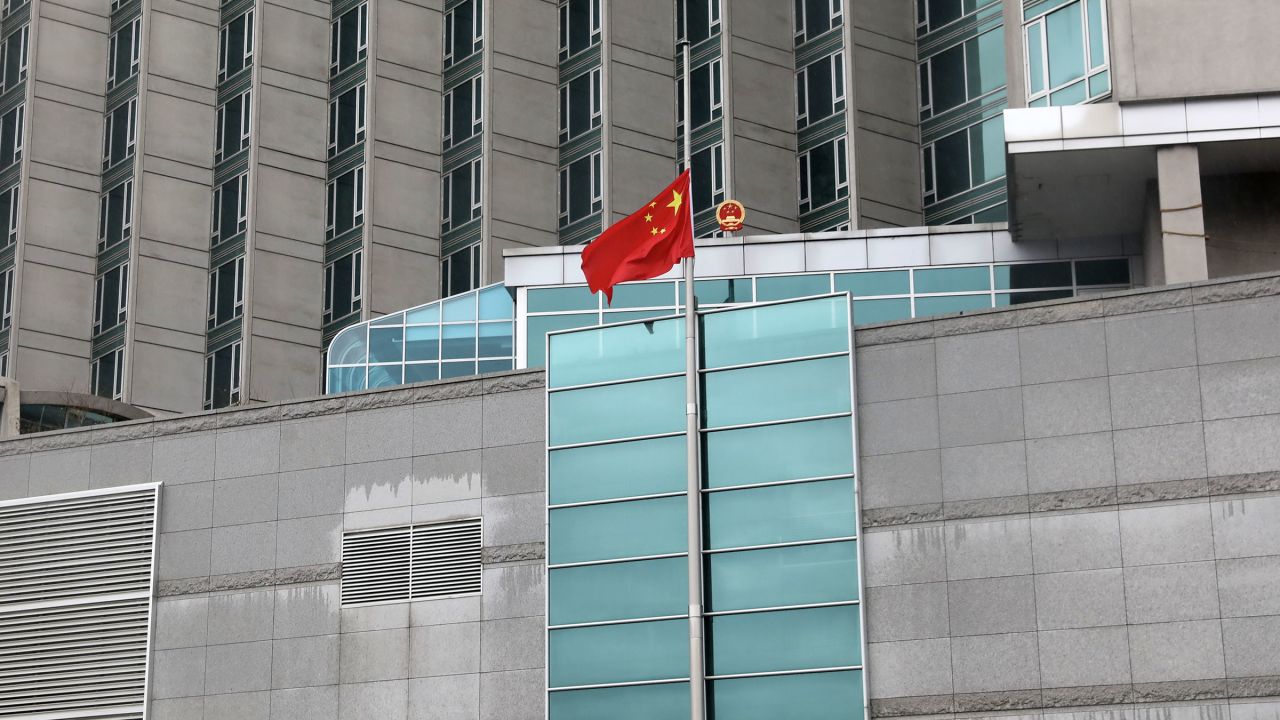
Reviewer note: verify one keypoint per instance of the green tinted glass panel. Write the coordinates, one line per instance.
(668, 701)
(1097, 57)
(987, 146)
(422, 342)
(775, 577)
(488, 366)
(719, 292)
(956, 303)
(427, 314)
(461, 308)
(890, 282)
(619, 591)
(633, 295)
(784, 640)
(615, 412)
(619, 653)
(876, 311)
(774, 332)
(561, 299)
(816, 448)
(780, 514)
(963, 279)
(346, 379)
(617, 353)
(396, 319)
(1102, 272)
(1065, 29)
(495, 340)
(348, 348)
(1040, 102)
(617, 470)
(385, 375)
(457, 369)
(986, 63)
(1035, 57)
(459, 342)
(1042, 8)
(791, 286)
(1100, 84)
(994, 214)
(811, 696)
(496, 304)
(776, 392)
(628, 316)
(385, 344)
(1070, 95)
(1033, 275)
(538, 327)
(421, 372)
(618, 530)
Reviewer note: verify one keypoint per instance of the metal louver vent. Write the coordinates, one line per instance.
(75, 603)
(411, 562)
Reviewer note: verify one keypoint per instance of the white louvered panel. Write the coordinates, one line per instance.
(75, 604)
(375, 566)
(446, 559)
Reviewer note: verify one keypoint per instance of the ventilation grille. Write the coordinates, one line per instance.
(411, 562)
(75, 604)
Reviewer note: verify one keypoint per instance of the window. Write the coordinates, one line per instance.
(342, 280)
(820, 90)
(580, 105)
(815, 17)
(120, 133)
(230, 208)
(106, 375)
(347, 120)
(697, 20)
(964, 160)
(349, 39)
(11, 130)
(933, 14)
(579, 26)
(962, 73)
(581, 189)
(226, 292)
(111, 298)
(115, 215)
(4, 364)
(463, 31)
(235, 46)
(460, 190)
(708, 178)
(9, 212)
(463, 111)
(222, 377)
(412, 562)
(233, 126)
(824, 175)
(11, 5)
(460, 271)
(1066, 51)
(15, 56)
(6, 298)
(346, 202)
(707, 96)
(122, 62)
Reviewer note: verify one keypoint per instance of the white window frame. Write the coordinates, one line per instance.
(19, 128)
(216, 289)
(594, 12)
(362, 38)
(7, 279)
(596, 181)
(835, 64)
(122, 298)
(117, 380)
(840, 162)
(11, 234)
(477, 189)
(929, 155)
(242, 209)
(234, 381)
(4, 364)
(224, 48)
(126, 215)
(594, 91)
(713, 19)
(135, 47)
(835, 9)
(243, 123)
(477, 111)
(23, 34)
(357, 201)
(1041, 21)
(330, 276)
(131, 132)
(361, 92)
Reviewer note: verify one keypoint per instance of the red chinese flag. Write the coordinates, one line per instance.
(645, 245)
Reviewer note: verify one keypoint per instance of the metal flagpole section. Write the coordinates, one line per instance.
(697, 671)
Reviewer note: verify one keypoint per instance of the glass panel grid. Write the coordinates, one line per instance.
(1066, 47)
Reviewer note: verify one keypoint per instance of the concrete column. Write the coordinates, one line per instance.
(1181, 215)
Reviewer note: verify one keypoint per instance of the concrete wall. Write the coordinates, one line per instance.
(884, 116)
(1076, 505)
(1185, 48)
(1244, 233)
(253, 506)
(56, 250)
(759, 105)
(402, 251)
(174, 178)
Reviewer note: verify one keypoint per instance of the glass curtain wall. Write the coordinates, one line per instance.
(783, 627)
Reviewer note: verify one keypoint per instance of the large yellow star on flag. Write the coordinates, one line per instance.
(675, 202)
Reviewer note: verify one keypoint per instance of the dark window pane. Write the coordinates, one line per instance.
(1033, 275)
(942, 12)
(952, 158)
(948, 78)
(1102, 272)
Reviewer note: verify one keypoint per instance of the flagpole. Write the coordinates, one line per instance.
(697, 668)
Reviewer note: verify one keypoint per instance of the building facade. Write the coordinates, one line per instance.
(1068, 508)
